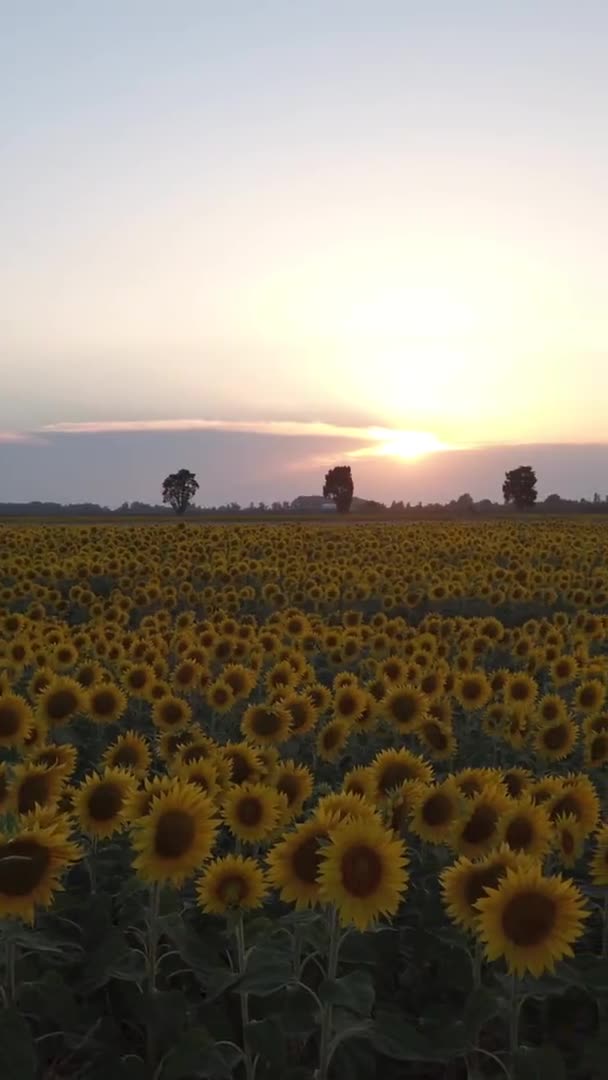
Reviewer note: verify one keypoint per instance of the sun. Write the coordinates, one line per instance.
(410, 445)
(405, 445)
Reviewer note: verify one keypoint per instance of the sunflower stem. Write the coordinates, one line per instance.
(514, 1006)
(241, 959)
(477, 964)
(605, 928)
(11, 970)
(327, 1014)
(152, 965)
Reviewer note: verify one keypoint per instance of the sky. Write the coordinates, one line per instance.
(258, 238)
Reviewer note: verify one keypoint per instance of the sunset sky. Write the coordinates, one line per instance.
(258, 238)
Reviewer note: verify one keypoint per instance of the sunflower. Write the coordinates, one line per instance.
(405, 707)
(438, 739)
(191, 746)
(340, 806)
(577, 797)
(266, 724)
(349, 703)
(590, 696)
(596, 749)
(517, 781)
(15, 720)
(101, 800)
(245, 763)
(105, 703)
(320, 696)
(39, 681)
(401, 805)
(542, 791)
(31, 863)
(530, 920)
(203, 774)
(493, 719)
(367, 719)
(129, 751)
(473, 780)
(477, 830)
(435, 811)
(554, 742)
(467, 881)
(392, 669)
(358, 781)
(525, 827)
(551, 709)
(232, 883)
(520, 692)
(220, 696)
(432, 684)
(171, 713)
(240, 679)
(295, 782)
(304, 714)
(171, 742)
(88, 674)
(34, 785)
(251, 811)
(564, 670)
(186, 675)
(175, 836)
(599, 861)
(269, 762)
(4, 789)
(294, 863)
(568, 839)
(139, 802)
(363, 872)
(60, 701)
(137, 678)
(281, 677)
(332, 739)
(390, 768)
(473, 690)
(62, 758)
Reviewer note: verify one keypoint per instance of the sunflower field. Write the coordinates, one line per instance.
(304, 802)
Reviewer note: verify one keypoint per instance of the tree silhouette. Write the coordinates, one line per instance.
(520, 487)
(179, 489)
(339, 487)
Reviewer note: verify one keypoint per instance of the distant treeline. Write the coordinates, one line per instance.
(464, 506)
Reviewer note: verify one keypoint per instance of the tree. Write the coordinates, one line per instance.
(520, 487)
(179, 490)
(339, 487)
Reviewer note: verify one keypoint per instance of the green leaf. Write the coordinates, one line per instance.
(482, 1005)
(591, 972)
(198, 1055)
(299, 1015)
(266, 1038)
(539, 1063)
(266, 971)
(354, 992)
(17, 1052)
(394, 1037)
(217, 981)
(51, 1000)
(112, 959)
(201, 953)
(449, 935)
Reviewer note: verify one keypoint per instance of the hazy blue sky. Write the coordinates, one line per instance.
(371, 215)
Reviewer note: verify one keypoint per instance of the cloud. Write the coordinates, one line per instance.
(297, 428)
(376, 441)
(21, 438)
